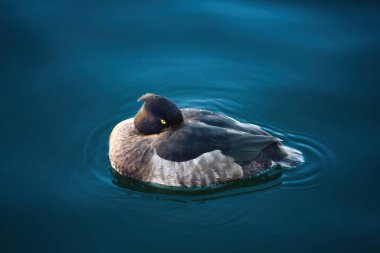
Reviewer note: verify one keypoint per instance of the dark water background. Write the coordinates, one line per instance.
(308, 72)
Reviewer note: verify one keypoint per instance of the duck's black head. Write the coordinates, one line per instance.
(157, 114)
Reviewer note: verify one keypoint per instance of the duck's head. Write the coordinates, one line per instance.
(157, 114)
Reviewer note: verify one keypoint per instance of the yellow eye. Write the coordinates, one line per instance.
(163, 122)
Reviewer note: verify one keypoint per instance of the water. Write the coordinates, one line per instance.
(308, 73)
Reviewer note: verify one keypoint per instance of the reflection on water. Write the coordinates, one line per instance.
(306, 72)
(266, 181)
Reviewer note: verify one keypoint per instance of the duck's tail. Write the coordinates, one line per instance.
(292, 159)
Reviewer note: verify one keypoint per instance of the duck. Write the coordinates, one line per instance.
(190, 147)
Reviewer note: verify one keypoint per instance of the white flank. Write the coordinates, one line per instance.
(208, 168)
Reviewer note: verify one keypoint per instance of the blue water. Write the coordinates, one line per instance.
(307, 73)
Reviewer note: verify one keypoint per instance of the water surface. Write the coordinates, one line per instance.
(307, 73)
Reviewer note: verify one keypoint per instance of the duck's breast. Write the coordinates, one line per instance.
(130, 153)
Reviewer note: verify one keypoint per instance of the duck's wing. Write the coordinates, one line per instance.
(196, 138)
(219, 120)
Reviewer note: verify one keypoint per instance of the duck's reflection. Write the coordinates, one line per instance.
(267, 180)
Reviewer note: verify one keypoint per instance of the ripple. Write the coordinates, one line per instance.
(95, 134)
(101, 180)
(307, 176)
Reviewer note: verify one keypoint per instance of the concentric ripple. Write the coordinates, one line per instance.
(215, 89)
(97, 169)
